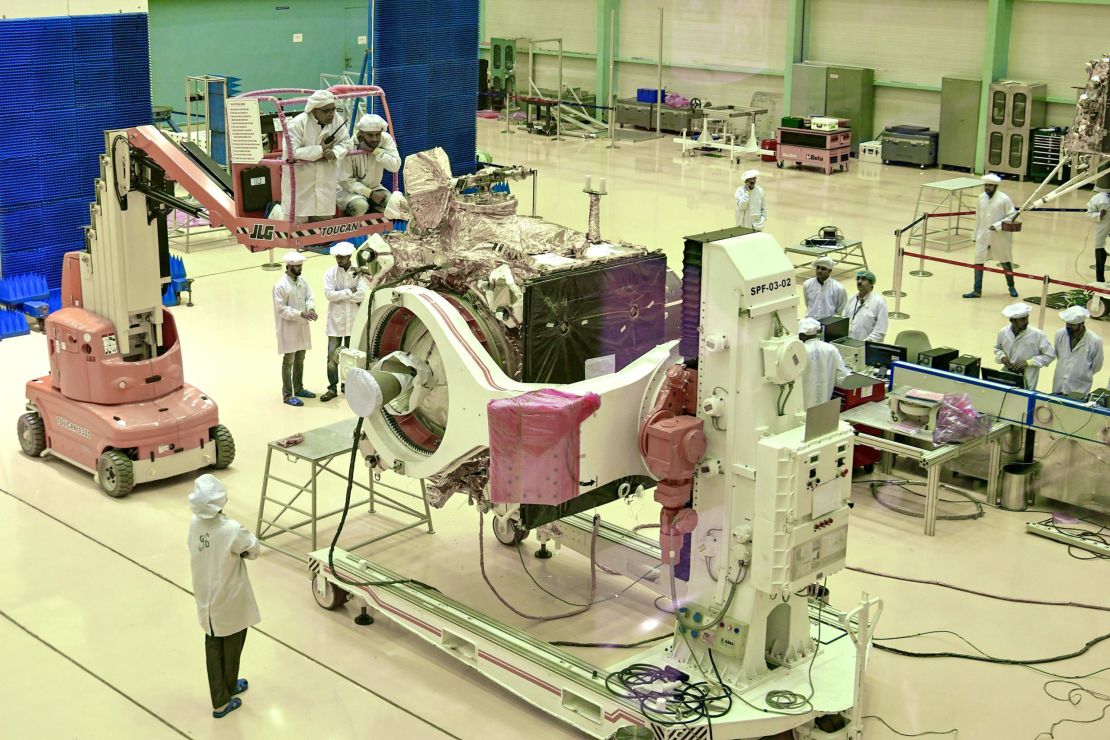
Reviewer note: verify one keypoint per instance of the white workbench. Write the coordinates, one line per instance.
(877, 415)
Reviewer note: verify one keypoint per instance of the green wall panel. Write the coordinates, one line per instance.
(253, 40)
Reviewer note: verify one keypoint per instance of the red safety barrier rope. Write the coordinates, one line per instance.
(984, 268)
(953, 213)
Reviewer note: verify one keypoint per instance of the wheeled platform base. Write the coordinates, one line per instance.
(573, 690)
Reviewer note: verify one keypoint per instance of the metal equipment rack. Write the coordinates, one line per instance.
(945, 197)
(849, 256)
(320, 447)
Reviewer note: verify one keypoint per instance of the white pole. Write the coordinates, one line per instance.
(612, 87)
(659, 82)
(559, 97)
(1044, 303)
(897, 312)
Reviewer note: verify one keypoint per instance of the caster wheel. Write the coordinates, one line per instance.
(507, 531)
(327, 595)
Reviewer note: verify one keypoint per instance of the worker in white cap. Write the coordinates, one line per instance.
(360, 179)
(825, 367)
(991, 242)
(1021, 348)
(1097, 210)
(868, 316)
(226, 609)
(824, 296)
(1078, 354)
(319, 142)
(345, 290)
(294, 308)
(751, 206)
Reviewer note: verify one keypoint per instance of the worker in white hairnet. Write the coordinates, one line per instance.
(225, 601)
(294, 309)
(868, 317)
(993, 209)
(360, 180)
(824, 296)
(1098, 210)
(751, 206)
(1078, 354)
(345, 290)
(1021, 348)
(319, 141)
(825, 367)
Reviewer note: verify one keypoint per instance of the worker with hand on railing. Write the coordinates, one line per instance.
(992, 241)
(319, 139)
(1022, 349)
(360, 179)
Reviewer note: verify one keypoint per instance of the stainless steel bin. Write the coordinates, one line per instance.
(1019, 480)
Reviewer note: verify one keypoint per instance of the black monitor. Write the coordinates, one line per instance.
(1003, 377)
(877, 354)
(836, 327)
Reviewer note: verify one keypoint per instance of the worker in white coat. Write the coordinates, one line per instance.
(825, 367)
(824, 296)
(294, 309)
(320, 142)
(1078, 354)
(226, 608)
(1098, 210)
(345, 290)
(1020, 348)
(751, 206)
(866, 311)
(993, 209)
(360, 180)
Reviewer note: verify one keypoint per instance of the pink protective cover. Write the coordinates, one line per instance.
(533, 445)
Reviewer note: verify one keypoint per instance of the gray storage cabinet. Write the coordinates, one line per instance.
(959, 121)
(838, 92)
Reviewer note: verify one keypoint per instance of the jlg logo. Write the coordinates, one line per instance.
(263, 232)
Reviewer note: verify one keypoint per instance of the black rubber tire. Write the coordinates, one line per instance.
(32, 434)
(225, 446)
(333, 597)
(116, 474)
(507, 531)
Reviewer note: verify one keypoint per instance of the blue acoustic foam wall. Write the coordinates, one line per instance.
(73, 77)
(425, 59)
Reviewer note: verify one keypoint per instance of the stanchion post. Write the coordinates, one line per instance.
(535, 189)
(270, 265)
(507, 98)
(897, 282)
(1044, 302)
(897, 313)
(921, 271)
(612, 91)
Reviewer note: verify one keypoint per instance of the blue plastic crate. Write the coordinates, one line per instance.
(648, 94)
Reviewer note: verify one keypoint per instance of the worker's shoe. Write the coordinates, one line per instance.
(294, 401)
(973, 294)
(328, 396)
(1013, 292)
(230, 707)
(240, 686)
(304, 394)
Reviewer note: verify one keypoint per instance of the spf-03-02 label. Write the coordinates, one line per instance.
(772, 286)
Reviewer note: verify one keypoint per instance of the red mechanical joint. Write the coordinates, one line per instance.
(672, 447)
(673, 526)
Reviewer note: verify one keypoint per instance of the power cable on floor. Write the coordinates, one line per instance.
(974, 592)
(1074, 697)
(953, 732)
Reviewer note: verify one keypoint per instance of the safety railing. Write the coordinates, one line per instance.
(901, 253)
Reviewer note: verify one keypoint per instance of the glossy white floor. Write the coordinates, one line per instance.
(98, 636)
